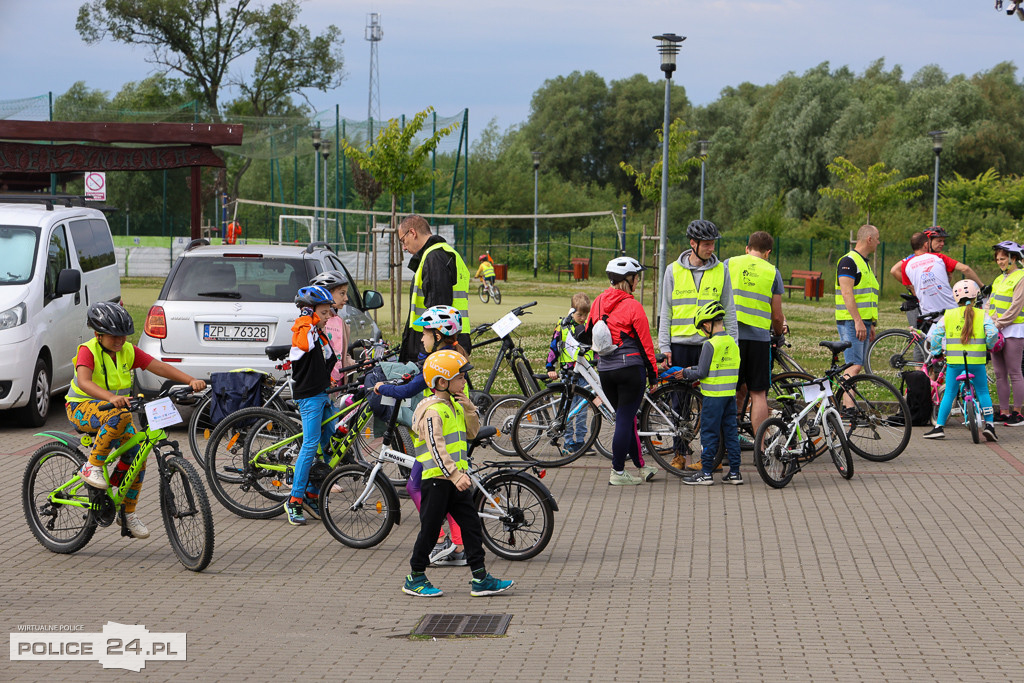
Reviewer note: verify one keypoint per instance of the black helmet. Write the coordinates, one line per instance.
(935, 231)
(702, 230)
(108, 318)
(329, 279)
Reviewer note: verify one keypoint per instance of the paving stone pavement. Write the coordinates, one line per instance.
(910, 571)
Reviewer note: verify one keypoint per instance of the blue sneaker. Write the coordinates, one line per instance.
(421, 587)
(488, 586)
(294, 512)
(311, 507)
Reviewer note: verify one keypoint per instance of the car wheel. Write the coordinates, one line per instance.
(39, 396)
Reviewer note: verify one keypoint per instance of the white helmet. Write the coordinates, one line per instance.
(618, 269)
(965, 289)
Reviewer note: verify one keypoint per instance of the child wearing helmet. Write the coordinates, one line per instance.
(312, 359)
(103, 374)
(442, 426)
(485, 271)
(1007, 310)
(718, 371)
(966, 333)
(337, 328)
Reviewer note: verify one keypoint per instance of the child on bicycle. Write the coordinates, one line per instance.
(965, 331)
(485, 271)
(103, 374)
(442, 424)
(572, 324)
(718, 371)
(337, 328)
(441, 326)
(312, 359)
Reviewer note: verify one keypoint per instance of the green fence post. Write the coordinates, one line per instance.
(810, 256)
(547, 265)
(778, 250)
(881, 280)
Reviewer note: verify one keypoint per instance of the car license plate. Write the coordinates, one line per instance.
(256, 333)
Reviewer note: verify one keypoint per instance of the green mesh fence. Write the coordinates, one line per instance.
(26, 109)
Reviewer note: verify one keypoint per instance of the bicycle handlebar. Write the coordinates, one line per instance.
(177, 394)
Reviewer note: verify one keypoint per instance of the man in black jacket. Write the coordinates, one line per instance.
(440, 279)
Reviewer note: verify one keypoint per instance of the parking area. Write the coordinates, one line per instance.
(911, 570)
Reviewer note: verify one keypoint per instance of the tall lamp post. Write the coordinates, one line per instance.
(937, 136)
(536, 167)
(703, 145)
(668, 48)
(325, 151)
(316, 178)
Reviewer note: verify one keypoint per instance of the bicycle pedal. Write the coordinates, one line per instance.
(813, 430)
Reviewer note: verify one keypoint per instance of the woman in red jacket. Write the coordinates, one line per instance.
(626, 370)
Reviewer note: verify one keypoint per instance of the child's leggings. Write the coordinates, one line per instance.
(980, 382)
(111, 427)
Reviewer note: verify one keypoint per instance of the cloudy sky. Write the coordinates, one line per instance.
(491, 55)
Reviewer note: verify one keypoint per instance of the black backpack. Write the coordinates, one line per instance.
(233, 391)
(919, 397)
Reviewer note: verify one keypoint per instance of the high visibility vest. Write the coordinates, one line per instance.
(114, 376)
(460, 292)
(454, 420)
(725, 368)
(865, 294)
(752, 279)
(686, 299)
(487, 270)
(1002, 293)
(567, 356)
(955, 318)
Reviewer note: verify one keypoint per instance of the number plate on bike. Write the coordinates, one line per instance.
(506, 324)
(811, 392)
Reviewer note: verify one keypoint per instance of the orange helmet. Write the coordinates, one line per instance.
(444, 365)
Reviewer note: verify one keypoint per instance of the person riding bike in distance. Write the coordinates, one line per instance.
(485, 271)
(103, 374)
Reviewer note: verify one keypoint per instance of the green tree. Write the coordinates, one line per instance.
(872, 189)
(679, 164)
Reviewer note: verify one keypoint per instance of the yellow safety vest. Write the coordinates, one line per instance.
(486, 269)
(725, 367)
(460, 293)
(752, 278)
(955, 318)
(566, 356)
(454, 420)
(686, 299)
(1002, 293)
(115, 376)
(865, 294)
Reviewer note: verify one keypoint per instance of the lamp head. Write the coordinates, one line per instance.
(316, 138)
(536, 160)
(937, 136)
(669, 48)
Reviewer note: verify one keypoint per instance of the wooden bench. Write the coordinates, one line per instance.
(813, 285)
(578, 269)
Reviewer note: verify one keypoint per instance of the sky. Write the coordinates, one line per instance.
(492, 55)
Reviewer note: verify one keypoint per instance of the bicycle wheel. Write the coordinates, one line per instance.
(670, 426)
(971, 418)
(543, 426)
(785, 361)
(783, 385)
(60, 527)
(497, 294)
(893, 352)
(247, 489)
(838, 445)
(366, 447)
(878, 425)
(524, 376)
(201, 425)
(187, 517)
(361, 525)
(605, 434)
(771, 457)
(526, 528)
(500, 415)
(484, 296)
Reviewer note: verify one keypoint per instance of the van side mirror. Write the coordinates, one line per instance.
(69, 281)
(372, 299)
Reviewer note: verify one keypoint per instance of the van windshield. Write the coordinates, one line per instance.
(17, 254)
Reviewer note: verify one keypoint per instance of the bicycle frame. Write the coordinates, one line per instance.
(822, 405)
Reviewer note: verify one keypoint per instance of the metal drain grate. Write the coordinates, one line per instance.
(463, 625)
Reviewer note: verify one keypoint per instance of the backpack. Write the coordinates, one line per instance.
(232, 391)
(919, 397)
(381, 412)
(601, 337)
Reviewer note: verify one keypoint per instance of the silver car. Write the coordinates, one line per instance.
(222, 305)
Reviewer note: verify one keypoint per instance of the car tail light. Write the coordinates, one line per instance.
(156, 323)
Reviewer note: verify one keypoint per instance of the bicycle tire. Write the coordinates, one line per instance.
(201, 426)
(524, 376)
(971, 418)
(840, 450)
(789, 408)
(879, 425)
(786, 361)
(676, 419)
(245, 490)
(500, 415)
(368, 524)
(773, 464)
(366, 446)
(515, 537)
(539, 428)
(60, 528)
(497, 294)
(484, 296)
(605, 436)
(188, 520)
(893, 352)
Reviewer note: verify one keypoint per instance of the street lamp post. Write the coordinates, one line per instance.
(668, 48)
(325, 151)
(703, 156)
(316, 176)
(937, 136)
(536, 168)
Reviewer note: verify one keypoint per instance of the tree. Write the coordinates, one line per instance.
(401, 169)
(872, 189)
(679, 165)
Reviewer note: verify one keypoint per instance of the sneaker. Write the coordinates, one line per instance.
(93, 476)
(746, 443)
(1014, 419)
(935, 433)
(699, 479)
(488, 586)
(679, 462)
(624, 479)
(456, 559)
(421, 587)
(734, 478)
(647, 472)
(442, 550)
(990, 432)
(294, 512)
(570, 448)
(311, 506)
(1000, 417)
(135, 525)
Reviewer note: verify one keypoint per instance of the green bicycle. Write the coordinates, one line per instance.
(63, 512)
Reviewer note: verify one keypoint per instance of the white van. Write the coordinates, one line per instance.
(56, 258)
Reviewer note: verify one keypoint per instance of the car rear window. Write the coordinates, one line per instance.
(237, 278)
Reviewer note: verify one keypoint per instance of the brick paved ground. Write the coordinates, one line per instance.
(911, 571)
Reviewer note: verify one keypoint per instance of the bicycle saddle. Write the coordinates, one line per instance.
(279, 352)
(835, 346)
(486, 432)
(962, 376)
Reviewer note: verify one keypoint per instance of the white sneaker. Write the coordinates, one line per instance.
(136, 526)
(93, 476)
(647, 472)
(442, 550)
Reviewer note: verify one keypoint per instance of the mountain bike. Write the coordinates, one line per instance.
(63, 511)
(488, 291)
(511, 355)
